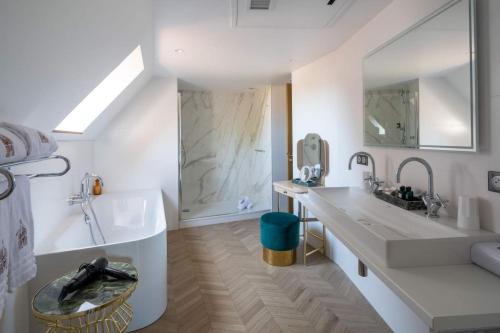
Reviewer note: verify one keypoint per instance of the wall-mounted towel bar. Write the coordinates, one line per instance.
(11, 183)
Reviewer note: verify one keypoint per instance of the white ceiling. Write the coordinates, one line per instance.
(228, 46)
(288, 14)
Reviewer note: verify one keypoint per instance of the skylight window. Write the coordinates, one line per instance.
(103, 95)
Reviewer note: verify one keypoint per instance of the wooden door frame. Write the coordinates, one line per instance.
(289, 136)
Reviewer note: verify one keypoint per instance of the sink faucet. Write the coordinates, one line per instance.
(432, 200)
(85, 189)
(372, 180)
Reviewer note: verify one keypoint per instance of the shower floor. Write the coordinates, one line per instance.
(221, 208)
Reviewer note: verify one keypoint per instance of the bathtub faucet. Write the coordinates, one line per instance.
(86, 184)
(85, 189)
(84, 199)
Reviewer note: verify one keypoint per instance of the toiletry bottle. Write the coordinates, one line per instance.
(402, 191)
(408, 194)
(97, 189)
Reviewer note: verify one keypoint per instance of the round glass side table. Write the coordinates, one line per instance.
(100, 307)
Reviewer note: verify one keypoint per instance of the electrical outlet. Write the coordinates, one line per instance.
(494, 181)
(362, 159)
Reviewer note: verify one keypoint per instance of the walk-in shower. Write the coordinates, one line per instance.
(225, 148)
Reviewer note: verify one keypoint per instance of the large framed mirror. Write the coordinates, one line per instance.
(420, 88)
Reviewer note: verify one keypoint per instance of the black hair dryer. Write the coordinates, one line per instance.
(88, 273)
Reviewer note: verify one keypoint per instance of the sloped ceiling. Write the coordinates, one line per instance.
(54, 52)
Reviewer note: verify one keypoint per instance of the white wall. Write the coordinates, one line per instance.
(49, 194)
(139, 149)
(327, 99)
(54, 52)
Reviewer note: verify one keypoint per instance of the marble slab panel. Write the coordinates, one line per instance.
(226, 148)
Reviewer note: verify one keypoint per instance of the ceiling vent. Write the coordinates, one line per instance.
(288, 14)
(260, 4)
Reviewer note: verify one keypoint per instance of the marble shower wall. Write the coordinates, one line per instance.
(226, 150)
(397, 115)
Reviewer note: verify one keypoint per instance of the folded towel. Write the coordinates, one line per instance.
(243, 203)
(38, 144)
(4, 248)
(22, 265)
(12, 147)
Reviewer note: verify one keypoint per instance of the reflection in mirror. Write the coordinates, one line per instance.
(312, 155)
(392, 115)
(420, 88)
(312, 150)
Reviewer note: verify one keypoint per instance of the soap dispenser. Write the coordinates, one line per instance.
(97, 189)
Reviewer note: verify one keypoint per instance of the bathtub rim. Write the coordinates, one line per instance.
(157, 192)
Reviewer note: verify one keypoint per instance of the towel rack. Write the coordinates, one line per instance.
(11, 182)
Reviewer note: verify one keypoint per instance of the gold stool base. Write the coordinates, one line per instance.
(279, 258)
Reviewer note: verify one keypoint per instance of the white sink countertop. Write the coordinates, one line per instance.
(446, 297)
(398, 237)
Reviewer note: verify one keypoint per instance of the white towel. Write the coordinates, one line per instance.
(22, 265)
(4, 248)
(38, 144)
(243, 203)
(12, 147)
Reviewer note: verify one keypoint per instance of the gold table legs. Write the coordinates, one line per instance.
(306, 233)
(302, 212)
(103, 321)
(114, 318)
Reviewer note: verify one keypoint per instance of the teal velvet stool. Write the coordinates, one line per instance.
(279, 235)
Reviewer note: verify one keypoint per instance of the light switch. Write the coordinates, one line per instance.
(362, 159)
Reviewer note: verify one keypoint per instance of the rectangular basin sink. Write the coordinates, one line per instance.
(397, 237)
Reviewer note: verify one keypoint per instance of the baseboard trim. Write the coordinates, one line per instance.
(203, 221)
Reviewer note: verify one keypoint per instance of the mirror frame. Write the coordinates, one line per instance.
(473, 84)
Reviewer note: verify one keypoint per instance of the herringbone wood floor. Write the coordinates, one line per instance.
(219, 283)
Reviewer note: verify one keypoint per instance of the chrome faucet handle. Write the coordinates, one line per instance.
(434, 204)
(427, 199)
(374, 183)
(377, 184)
(74, 198)
(443, 202)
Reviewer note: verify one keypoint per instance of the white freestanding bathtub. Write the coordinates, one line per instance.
(134, 226)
